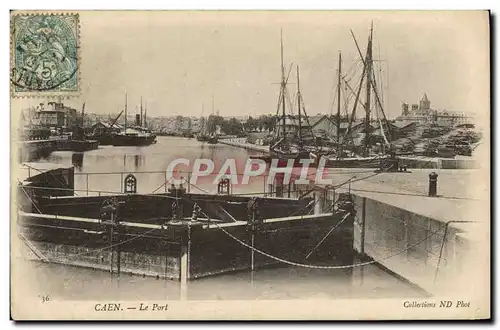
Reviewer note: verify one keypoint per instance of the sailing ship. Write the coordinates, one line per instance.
(346, 153)
(207, 132)
(202, 135)
(287, 141)
(134, 136)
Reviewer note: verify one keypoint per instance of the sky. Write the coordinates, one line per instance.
(178, 60)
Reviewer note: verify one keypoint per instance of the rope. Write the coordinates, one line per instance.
(328, 234)
(326, 267)
(194, 186)
(162, 185)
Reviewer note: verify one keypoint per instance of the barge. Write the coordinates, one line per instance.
(181, 235)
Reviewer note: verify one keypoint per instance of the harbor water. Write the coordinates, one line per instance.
(149, 165)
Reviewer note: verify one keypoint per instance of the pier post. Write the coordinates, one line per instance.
(118, 253)
(270, 190)
(109, 207)
(166, 250)
(118, 247)
(318, 203)
(433, 184)
(111, 247)
(252, 239)
(279, 185)
(165, 182)
(185, 247)
(253, 252)
(363, 227)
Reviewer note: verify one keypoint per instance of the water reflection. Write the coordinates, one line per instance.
(273, 283)
(139, 161)
(77, 160)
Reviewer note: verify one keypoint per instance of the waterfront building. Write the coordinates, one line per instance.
(52, 118)
(422, 113)
(103, 127)
(56, 114)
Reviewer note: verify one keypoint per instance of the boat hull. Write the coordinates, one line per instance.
(213, 140)
(104, 140)
(382, 162)
(208, 139)
(133, 140)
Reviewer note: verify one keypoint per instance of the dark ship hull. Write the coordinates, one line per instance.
(201, 138)
(104, 139)
(208, 139)
(124, 140)
(302, 154)
(386, 162)
(212, 140)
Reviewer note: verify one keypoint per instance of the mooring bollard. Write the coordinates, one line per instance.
(173, 189)
(433, 184)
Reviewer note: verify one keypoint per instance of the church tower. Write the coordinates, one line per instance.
(425, 104)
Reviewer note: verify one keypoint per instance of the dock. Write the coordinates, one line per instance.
(241, 143)
(416, 162)
(437, 234)
(458, 162)
(31, 150)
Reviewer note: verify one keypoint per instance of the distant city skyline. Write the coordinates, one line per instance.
(178, 60)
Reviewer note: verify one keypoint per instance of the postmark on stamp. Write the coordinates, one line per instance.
(44, 54)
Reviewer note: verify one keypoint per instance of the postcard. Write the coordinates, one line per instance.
(250, 165)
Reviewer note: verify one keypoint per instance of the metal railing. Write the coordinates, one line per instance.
(163, 179)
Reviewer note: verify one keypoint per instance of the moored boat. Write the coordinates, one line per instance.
(346, 153)
(288, 134)
(135, 135)
(212, 139)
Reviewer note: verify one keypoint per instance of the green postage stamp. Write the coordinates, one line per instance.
(44, 54)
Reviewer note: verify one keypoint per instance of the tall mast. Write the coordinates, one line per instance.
(83, 114)
(140, 118)
(145, 114)
(368, 65)
(298, 104)
(338, 105)
(283, 83)
(202, 120)
(211, 128)
(125, 112)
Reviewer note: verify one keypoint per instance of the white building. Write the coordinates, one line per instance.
(423, 113)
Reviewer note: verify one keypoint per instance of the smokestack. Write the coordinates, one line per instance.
(140, 123)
